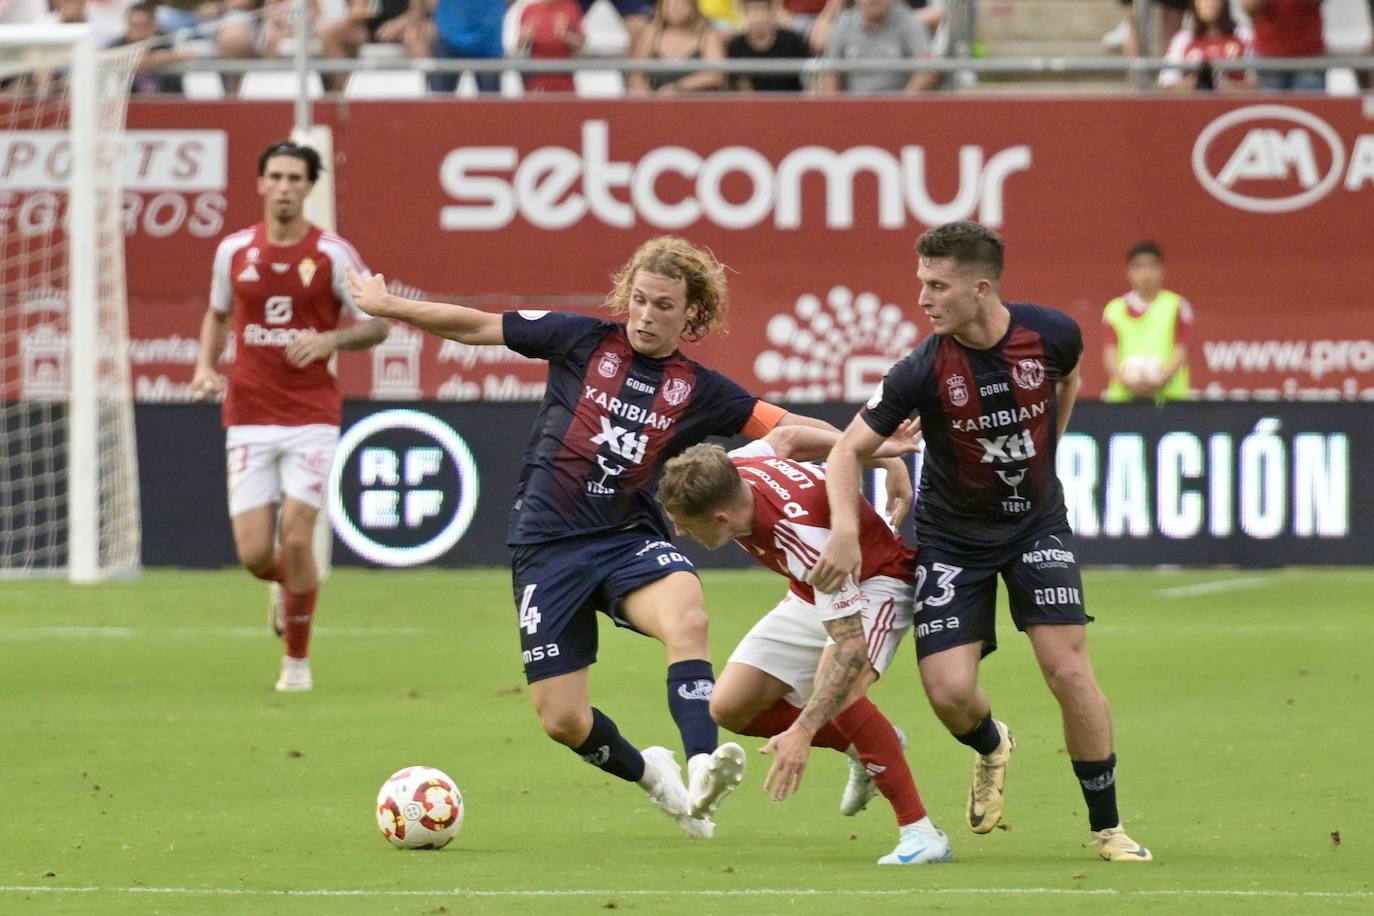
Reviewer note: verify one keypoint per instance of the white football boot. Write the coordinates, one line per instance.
(711, 777)
(663, 781)
(919, 844)
(861, 788)
(295, 675)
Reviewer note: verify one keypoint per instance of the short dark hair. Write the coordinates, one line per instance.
(144, 6)
(306, 154)
(966, 243)
(1145, 247)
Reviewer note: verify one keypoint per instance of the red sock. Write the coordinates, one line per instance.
(880, 750)
(777, 718)
(277, 573)
(300, 608)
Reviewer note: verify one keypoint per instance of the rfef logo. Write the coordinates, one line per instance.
(403, 489)
(1277, 158)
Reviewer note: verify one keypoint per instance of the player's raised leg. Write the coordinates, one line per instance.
(672, 610)
(563, 704)
(1061, 651)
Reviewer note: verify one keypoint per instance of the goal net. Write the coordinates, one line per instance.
(68, 469)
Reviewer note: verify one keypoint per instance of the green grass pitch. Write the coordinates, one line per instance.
(148, 767)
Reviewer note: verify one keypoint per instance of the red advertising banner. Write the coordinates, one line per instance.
(1258, 202)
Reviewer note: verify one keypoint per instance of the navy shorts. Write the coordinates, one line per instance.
(560, 585)
(957, 604)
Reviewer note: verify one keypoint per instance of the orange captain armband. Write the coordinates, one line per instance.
(762, 420)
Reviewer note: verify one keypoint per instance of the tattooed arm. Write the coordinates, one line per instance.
(834, 683)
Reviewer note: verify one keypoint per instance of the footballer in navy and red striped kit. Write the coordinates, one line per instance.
(993, 387)
(279, 288)
(585, 533)
(988, 481)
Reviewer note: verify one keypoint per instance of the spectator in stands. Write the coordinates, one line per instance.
(634, 15)
(1145, 334)
(1126, 38)
(1288, 28)
(550, 30)
(930, 12)
(467, 29)
(678, 32)
(140, 24)
(67, 12)
(398, 22)
(800, 16)
(723, 14)
(877, 30)
(236, 27)
(762, 39)
(1214, 36)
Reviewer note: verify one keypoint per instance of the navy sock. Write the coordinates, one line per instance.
(984, 738)
(1098, 780)
(689, 701)
(606, 749)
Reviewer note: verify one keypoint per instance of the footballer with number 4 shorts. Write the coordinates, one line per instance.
(586, 534)
(801, 676)
(279, 287)
(994, 387)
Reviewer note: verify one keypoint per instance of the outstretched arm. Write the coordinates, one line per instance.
(456, 322)
(834, 683)
(812, 443)
(841, 556)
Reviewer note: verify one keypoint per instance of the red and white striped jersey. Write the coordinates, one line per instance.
(792, 524)
(275, 295)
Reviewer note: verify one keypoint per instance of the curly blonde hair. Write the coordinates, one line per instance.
(677, 259)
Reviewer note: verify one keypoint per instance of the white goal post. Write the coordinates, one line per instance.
(69, 498)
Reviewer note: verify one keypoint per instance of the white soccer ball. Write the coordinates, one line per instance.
(1141, 370)
(419, 808)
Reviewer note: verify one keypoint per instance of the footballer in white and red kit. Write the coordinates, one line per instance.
(279, 288)
(816, 650)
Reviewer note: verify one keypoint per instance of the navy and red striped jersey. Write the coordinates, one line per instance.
(989, 419)
(610, 419)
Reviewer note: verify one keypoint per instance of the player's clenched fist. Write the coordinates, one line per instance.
(369, 292)
(206, 384)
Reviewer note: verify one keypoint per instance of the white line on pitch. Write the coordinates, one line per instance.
(701, 892)
(194, 632)
(1208, 588)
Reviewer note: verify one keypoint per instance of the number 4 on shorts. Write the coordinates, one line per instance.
(529, 614)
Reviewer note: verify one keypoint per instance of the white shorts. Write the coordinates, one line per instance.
(265, 462)
(788, 641)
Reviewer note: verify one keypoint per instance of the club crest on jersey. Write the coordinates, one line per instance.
(307, 271)
(676, 391)
(1029, 373)
(253, 255)
(608, 365)
(958, 391)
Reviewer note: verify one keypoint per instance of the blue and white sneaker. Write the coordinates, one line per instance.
(920, 843)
